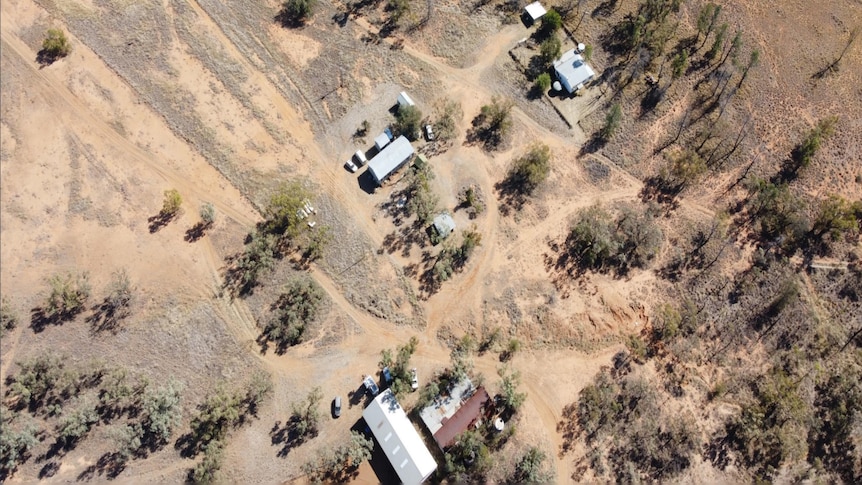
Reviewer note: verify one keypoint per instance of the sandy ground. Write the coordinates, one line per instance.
(85, 160)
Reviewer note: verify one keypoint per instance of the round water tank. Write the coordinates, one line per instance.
(581, 47)
(558, 86)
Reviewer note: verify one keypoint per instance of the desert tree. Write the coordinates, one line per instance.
(529, 468)
(257, 258)
(171, 204)
(753, 61)
(707, 19)
(510, 396)
(717, 43)
(67, 296)
(15, 445)
(407, 121)
(282, 213)
(207, 214)
(54, 46)
(161, 410)
(835, 64)
(298, 306)
(305, 415)
(549, 50)
(421, 199)
(835, 217)
(316, 242)
(77, 424)
(804, 152)
(551, 23)
(679, 64)
(8, 317)
(207, 470)
(296, 12)
(530, 170)
(542, 83)
(448, 113)
(494, 122)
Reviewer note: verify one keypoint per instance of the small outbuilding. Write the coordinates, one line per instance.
(382, 140)
(444, 225)
(573, 71)
(534, 12)
(405, 100)
(398, 439)
(394, 156)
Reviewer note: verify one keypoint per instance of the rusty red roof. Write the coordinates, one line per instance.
(466, 415)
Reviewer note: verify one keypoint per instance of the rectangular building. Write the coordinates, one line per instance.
(399, 439)
(394, 156)
(573, 71)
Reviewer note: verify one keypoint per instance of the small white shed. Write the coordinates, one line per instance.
(405, 100)
(444, 225)
(382, 140)
(534, 11)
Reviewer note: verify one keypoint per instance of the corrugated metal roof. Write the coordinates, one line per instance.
(390, 158)
(399, 439)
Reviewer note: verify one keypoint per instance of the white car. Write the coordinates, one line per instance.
(429, 132)
(350, 165)
(414, 381)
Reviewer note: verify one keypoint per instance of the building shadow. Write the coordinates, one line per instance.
(367, 183)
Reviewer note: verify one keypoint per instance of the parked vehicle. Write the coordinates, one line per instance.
(349, 165)
(371, 386)
(429, 133)
(387, 375)
(414, 380)
(336, 407)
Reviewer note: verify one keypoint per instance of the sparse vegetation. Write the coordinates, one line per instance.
(494, 123)
(447, 114)
(530, 170)
(55, 46)
(543, 82)
(298, 306)
(408, 121)
(68, 295)
(340, 464)
(612, 122)
(297, 12)
(8, 317)
(421, 199)
(305, 415)
(550, 50)
(171, 204)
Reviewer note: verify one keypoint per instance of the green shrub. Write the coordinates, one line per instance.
(56, 45)
(408, 122)
(297, 307)
(543, 82)
(171, 203)
(297, 12)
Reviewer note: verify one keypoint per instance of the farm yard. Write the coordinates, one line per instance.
(196, 261)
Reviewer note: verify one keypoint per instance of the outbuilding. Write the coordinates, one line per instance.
(534, 12)
(398, 439)
(573, 71)
(391, 158)
(405, 100)
(382, 140)
(444, 225)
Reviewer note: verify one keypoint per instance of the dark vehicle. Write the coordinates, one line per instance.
(336, 407)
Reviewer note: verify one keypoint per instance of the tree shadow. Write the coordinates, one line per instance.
(288, 437)
(45, 58)
(49, 470)
(594, 144)
(511, 195)
(194, 233)
(158, 221)
(106, 317)
(288, 21)
(110, 465)
(40, 320)
(659, 189)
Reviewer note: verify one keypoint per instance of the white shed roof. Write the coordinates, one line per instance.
(572, 70)
(381, 141)
(535, 10)
(404, 99)
(444, 224)
(390, 158)
(399, 439)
